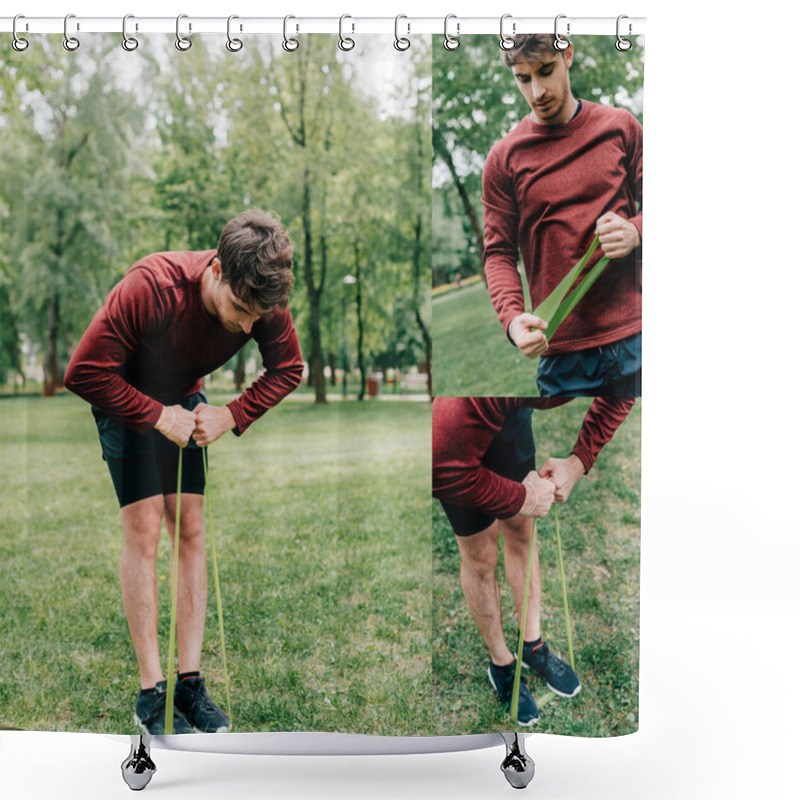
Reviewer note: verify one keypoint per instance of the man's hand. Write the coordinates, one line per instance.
(525, 331)
(177, 424)
(618, 236)
(211, 423)
(563, 473)
(538, 497)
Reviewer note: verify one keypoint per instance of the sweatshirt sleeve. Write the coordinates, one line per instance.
(96, 370)
(500, 241)
(283, 370)
(604, 416)
(635, 147)
(463, 429)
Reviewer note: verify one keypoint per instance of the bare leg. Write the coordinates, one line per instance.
(141, 524)
(517, 532)
(192, 578)
(479, 582)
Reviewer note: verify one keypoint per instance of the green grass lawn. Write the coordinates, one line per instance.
(471, 355)
(599, 528)
(322, 516)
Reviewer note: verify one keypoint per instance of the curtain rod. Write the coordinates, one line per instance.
(452, 25)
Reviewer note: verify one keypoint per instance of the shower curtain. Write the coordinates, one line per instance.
(340, 592)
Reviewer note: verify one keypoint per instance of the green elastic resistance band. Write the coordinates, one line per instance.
(523, 617)
(213, 546)
(558, 304)
(547, 696)
(173, 614)
(564, 599)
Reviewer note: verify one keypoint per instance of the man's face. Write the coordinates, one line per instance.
(234, 315)
(544, 83)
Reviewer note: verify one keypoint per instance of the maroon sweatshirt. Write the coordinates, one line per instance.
(153, 341)
(464, 427)
(544, 188)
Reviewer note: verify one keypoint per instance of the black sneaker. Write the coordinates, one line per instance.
(558, 674)
(150, 711)
(502, 680)
(191, 697)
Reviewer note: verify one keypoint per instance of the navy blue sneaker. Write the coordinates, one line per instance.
(151, 708)
(194, 702)
(502, 680)
(558, 674)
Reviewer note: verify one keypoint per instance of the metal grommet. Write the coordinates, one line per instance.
(401, 42)
(507, 42)
(17, 42)
(181, 42)
(451, 42)
(623, 44)
(290, 44)
(345, 42)
(233, 45)
(560, 43)
(129, 43)
(70, 43)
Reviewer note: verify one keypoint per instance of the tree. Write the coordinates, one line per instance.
(72, 128)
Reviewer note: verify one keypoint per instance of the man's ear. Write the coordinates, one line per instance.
(216, 268)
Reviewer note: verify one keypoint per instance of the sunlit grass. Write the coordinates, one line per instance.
(471, 354)
(322, 520)
(599, 527)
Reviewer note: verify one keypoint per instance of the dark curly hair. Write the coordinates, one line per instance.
(527, 46)
(255, 253)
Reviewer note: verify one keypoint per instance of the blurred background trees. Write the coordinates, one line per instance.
(108, 156)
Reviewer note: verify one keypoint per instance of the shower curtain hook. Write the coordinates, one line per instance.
(560, 43)
(290, 44)
(401, 42)
(507, 42)
(233, 45)
(623, 44)
(17, 42)
(129, 43)
(70, 43)
(183, 43)
(451, 42)
(345, 42)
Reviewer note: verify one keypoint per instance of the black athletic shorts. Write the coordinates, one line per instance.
(613, 370)
(146, 465)
(511, 454)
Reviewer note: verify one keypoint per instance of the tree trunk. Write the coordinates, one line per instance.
(315, 362)
(417, 261)
(426, 334)
(477, 229)
(52, 372)
(238, 373)
(360, 321)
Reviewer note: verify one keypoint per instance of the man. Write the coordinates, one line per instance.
(570, 170)
(484, 475)
(171, 320)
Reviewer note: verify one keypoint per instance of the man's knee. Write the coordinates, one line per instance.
(191, 522)
(517, 530)
(479, 552)
(141, 524)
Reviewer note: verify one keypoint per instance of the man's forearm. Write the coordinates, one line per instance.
(601, 422)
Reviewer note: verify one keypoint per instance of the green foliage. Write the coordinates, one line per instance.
(113, 155)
